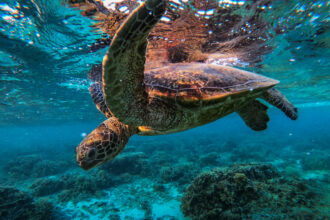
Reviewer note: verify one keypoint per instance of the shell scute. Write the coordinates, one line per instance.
(202, 82)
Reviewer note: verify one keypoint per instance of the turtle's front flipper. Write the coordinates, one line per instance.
(104, 143)
(254, 115)
(276, 98)
(123, 65)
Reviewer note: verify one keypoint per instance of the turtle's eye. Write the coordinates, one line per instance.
(86, 154)
(91, 153)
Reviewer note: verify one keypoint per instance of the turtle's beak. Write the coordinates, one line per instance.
(91, 152)
(86, 157)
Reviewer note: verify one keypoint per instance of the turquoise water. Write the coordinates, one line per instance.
(46, 51)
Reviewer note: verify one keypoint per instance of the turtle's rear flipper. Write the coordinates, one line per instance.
(276, 98)
(254, 115)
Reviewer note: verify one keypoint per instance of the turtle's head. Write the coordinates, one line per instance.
(103, 144)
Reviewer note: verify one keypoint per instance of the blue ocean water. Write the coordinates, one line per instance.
(47, 49)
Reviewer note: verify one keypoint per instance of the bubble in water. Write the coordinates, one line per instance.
(83, 134)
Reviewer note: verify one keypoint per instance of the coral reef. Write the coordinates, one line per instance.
(161, 158)
(15, 204)
(246, 153)
(209, 159)
(134, 163)
(47, 186)
(79, 186)
(251, 191)
(73, 186)
(182, 173)
(33, 166)
(22, 166)
(158, 160)
(49, 167)
(44, 210)
(316, 160)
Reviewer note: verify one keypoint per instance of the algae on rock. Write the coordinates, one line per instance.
(250, 191)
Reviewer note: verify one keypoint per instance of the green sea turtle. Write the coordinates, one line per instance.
(170, 99)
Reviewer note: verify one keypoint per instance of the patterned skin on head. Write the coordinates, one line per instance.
(104, 143)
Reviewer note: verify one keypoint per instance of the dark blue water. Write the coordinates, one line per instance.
(46, 50)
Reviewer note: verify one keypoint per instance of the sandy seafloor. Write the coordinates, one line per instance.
(148, 179)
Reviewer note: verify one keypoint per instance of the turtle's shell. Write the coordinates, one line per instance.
(203, 82)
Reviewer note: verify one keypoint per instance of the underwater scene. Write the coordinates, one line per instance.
(164, 109)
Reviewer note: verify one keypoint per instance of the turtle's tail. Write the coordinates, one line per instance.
(276, 98)
(104, 143)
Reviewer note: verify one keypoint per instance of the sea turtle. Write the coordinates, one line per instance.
(169, 99)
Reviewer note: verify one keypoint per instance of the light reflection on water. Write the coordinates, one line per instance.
(47, 48)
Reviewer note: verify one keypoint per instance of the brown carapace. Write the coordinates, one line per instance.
(172, 98)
